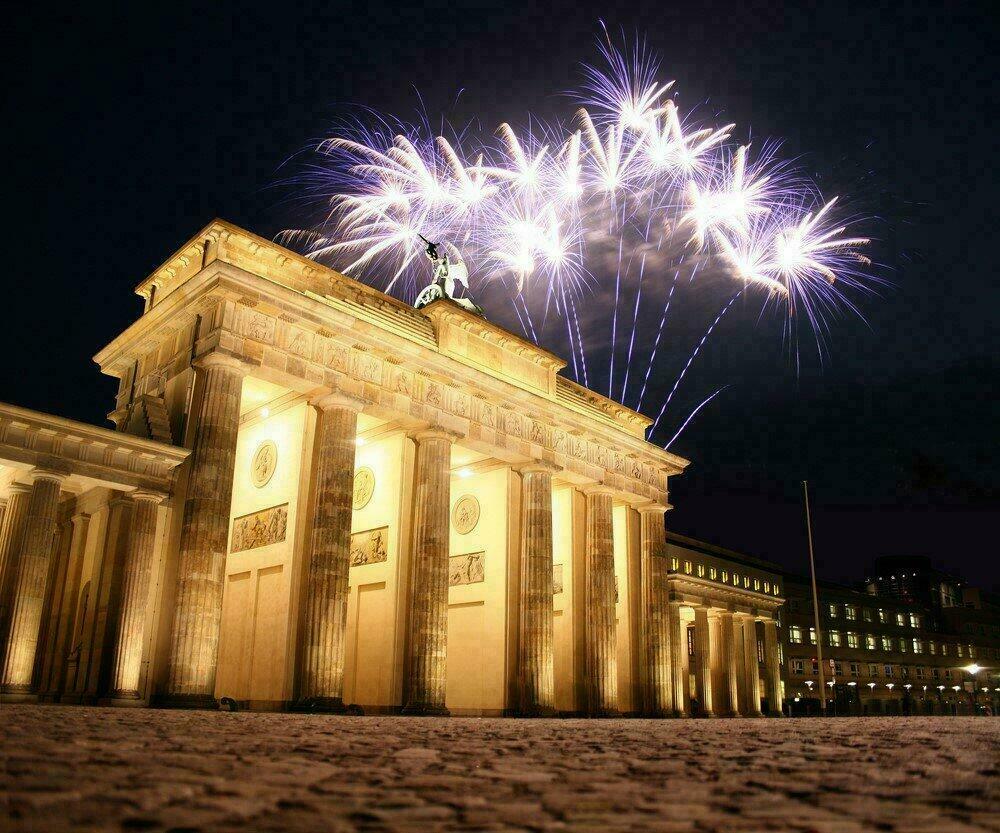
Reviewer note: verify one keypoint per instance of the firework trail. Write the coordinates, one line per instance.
(548, 213)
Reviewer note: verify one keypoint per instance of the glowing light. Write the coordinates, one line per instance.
(265, 412)
(360, 441)
(464, 473)
(973, 669)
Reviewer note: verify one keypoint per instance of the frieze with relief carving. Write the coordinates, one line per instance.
(466, 569)
(260, 529)
(370, 546)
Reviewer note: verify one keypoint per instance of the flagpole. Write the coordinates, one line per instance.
(819, 635)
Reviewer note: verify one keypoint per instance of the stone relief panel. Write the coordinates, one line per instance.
(466, 569)
(465, 515)
(557, 578)
(260, 529)
(370, 546)
(364, 487)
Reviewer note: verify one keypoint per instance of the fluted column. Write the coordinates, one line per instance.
(203, 544)
(30, 580)
(126, 663)
(601, 626)
(703, 661)
(750, 670)
(678, 643)
(656, 614)
(11, 533)
(772, 668)
(730, 670)
(324, 632)
(535, 644)
(427, 666)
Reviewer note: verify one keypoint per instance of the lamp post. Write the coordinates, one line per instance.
(972, 670)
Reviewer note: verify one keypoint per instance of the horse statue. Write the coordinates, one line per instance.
(446, 277)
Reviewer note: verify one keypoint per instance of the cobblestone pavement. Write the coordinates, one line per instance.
(83, 769)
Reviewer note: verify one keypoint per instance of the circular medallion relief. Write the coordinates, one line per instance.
(465, 515)
(364, 487)
(265, 459)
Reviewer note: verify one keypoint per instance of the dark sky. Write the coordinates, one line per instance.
(126, 130)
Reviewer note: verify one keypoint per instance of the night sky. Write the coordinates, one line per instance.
(125, 131)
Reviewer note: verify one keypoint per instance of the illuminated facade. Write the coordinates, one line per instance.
(319, 496)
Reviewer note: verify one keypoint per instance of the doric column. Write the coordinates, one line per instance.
(678, 643)
(324, 631)
(535, 643)
(427, 666)
(772, 667)
(203, 545)
(30, 580)
(656, 614)
(10, 549)
(601, 627)
(750, 670)
(730, 670)
(703, 661)
(126, 662)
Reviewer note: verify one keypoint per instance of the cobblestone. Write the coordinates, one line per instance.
(92, 769)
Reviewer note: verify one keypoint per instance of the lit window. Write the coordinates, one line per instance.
(852, 640)
(958, 650)
(736, 579)
(850, 612)
(701, 571)
(688, 567)
(777, 590)
(674, 563)
(746, 582)
(914, 620)
(900, 620)
(855, 669)
(888, 671)
(832, 611)
(725, 576)
(798, 667)
(918, 646)
(870, 641)
(867, 614)
(881, 616)
(767, 587)
(756, 584)
(872, 669)
(932, 648)
(972, 652)
(794, 633)
(944, 649)
(812, 636)
(713, 573)
(886, 643)
(834, 639)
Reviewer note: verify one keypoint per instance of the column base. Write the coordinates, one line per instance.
(538, 711)
(186, 701)
(605, 714)
(424, 710)
(16, 695)
(323, 705)
(120, 702)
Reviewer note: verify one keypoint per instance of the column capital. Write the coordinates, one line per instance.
(223, 360)
(538, 467)
(149, 495)
(18, 489)
(434, 433)
(596, 489)
(337, 399)
(40, 473)
(651, 508)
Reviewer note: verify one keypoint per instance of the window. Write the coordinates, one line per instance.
(870, 641)
(701, 571)
(944, 649)
(900, 620)
(794, 633)
(777, 590)
(872, 670)
(815, 667)
(688, 567)
(958, 650)
(850, 612)
(918, 646)
(713, 573)
(947, 673)
(914, 620)
(936, 673)
(767, 587)
(725, 576)
(932, 648)
(812, 636)
(746, 582)
(920, 672)
(798, 667)
(886, 643)
(902, 645)
(760, 651)
(855, 669)
(690, 632)
(834, 639)
(674, 563)
(888, 671)
(972, 652)
(852, 640)
(832, 610)
(756, 584)
(904, 671)
(867, 614)
(736, 579)
(838, 669)
(881, 616)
